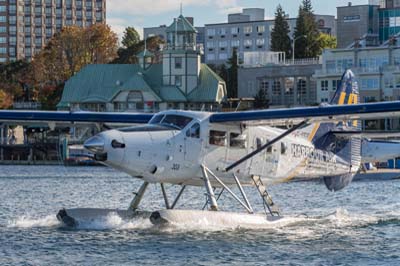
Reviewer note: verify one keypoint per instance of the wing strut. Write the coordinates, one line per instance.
(266, 145)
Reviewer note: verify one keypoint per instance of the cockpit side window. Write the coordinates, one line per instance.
(217, 138)
(237, 140)
(194, 131)
(156, 119)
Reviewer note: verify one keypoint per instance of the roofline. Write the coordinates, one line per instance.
(356, 6)
(258, 21)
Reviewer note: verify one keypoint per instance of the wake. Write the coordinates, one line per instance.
(301, 225)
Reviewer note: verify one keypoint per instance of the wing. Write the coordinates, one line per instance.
(367, 134)
(73, 117)
(324, 113)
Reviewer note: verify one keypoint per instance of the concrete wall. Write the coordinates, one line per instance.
(251, 81)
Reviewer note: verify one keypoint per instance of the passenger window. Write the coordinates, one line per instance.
(283, 148)
(194, 131)
(237, 140)
(217, 138)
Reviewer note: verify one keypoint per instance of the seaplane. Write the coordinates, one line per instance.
(222, 151)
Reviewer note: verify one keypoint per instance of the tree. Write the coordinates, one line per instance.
(306, 32)
(260, 100)
(280, 40)
(131, 37)
(66, 53)
(129, 55)
(232, 77)
(101, 44)
(5, 100)
(326, 41)
(14, 79)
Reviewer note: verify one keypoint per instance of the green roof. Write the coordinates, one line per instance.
(208, 88)
(171, 94)
(102, 83)
(181, 24)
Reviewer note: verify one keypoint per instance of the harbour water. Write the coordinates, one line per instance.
(357, 226)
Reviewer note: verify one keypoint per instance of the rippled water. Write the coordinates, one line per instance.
(357, 226)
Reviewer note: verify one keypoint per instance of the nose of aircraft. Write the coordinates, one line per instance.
(95, 144)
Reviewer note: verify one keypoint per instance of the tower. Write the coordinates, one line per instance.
(181, 60)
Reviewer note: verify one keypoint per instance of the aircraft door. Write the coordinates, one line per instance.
(193, 143)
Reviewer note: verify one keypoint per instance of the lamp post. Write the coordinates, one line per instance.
(294, 41)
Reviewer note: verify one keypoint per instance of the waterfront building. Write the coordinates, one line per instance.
(181, 81)
(249, 31)
(26, 25)
(285, 82)
(377, 70)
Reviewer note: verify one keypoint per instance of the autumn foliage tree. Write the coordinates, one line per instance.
(67, 53)
(14, 79)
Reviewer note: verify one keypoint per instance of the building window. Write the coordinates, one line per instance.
(223, 44)
(260, 28)
(235, 30)
(3, 39)
(335, 84)
(260, 42)
(370, 84)
(324, 85)
(178, 62)
(3, 50)
(3, 29)
(264, 85)
(210, 44)
(178, 81)
(210, 57)
(210, 32)
(223, 56)
(248, 29)
(276, 88)
(248, 43)
(222, 31)
(235, 43)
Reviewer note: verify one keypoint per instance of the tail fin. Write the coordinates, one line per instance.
(348, 150)
(347, 92)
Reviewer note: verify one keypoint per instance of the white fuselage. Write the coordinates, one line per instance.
(175, 156)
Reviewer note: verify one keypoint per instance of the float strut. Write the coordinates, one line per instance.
(138, 197)
(165, 196)
(210, 192)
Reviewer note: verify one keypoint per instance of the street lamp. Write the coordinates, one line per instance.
(294, 41)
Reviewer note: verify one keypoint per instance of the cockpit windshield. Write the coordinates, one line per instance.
(174, 121)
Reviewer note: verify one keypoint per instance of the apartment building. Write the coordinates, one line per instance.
(26, 25)
(249, 32)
